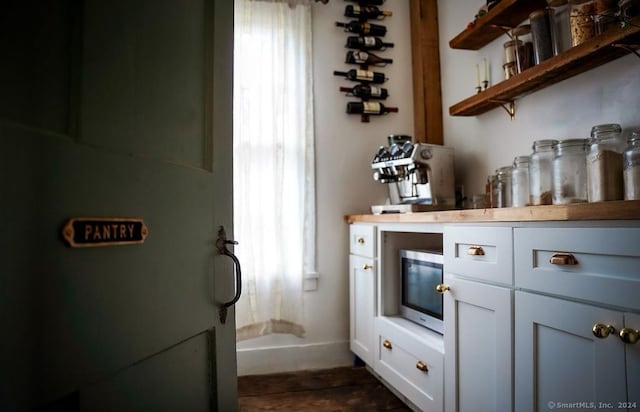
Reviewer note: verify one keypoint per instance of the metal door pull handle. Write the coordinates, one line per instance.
(221, 244)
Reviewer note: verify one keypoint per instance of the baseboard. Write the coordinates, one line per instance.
(260, 361)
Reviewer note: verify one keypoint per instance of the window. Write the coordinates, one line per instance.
(274, 198)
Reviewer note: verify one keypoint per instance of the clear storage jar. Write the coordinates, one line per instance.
(604, 163)
(540, 172)
(605, 15)
(569, 172)
(542, 35)
(520, 181)
(503, 186)
(561, 25)
(581, 21)
(632, 168)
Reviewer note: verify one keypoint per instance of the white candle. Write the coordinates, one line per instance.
(477, 75)
(486, 70)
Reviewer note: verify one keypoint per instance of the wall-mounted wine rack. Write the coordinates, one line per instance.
(365, 37)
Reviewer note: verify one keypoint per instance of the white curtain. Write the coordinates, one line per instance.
(274, 182)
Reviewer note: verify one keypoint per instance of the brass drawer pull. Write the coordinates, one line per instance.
(630, 336)
(563, 259)
(367, 266)
(387, 344)
(475, 251)
(602, 331)
(422, 366)
(361, 240)
(441, 288)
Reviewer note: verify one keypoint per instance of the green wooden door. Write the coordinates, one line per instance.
(116, 109)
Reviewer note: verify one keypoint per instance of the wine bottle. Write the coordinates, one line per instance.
(368, 2)
(374, 108)
(363, 28)
(366, 12)
(367, 43)
(363, 57)
(362, 75)
(366, 91)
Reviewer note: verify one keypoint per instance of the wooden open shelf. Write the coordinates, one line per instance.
(586, 56)
(507, 13)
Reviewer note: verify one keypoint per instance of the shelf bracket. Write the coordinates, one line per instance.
(631, 48)
(511, 109)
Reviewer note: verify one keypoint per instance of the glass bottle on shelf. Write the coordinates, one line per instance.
(632, 168)
(504, 186)
(561, 25)
(540, 172)
(491, 198)
(542, 35)
(569, 172)
(604, 163)
(520, 182)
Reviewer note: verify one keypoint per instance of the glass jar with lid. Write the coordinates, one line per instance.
(520, 181)
(604, 163)
(605, 15)
(540, 172)
(569, 172)
(581, 20)
(503, 186)
(632, 168)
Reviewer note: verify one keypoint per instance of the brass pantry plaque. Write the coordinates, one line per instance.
(104, 231)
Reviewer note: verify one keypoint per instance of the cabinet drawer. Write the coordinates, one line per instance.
(595, 264)
(412, 367)
(362, 240)
(483, 253)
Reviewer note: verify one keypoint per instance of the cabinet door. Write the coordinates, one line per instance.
(632, 320)
(478, 350)
(361, 306)
(558, 359)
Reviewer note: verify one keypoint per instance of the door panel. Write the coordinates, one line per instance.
(184, 367)
(88, 326)
(143, 73)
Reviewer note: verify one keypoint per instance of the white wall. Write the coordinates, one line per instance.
(344, 149)
(608, 94)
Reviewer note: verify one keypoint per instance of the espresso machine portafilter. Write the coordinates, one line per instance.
(419, 176)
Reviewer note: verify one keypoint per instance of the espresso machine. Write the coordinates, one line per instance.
(419, 176)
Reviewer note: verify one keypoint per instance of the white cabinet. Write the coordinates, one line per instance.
(478, 318)
(362, 291)
(411, 359)
(558, 358)
(568, 348)
(478, 349)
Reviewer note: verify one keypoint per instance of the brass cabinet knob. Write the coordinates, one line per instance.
(367, 266)
(361, 240)
(475, 251)
(630, 336)
(422, 366)
(441, 288)
(387, 344)
(602, 331)
(563, 259)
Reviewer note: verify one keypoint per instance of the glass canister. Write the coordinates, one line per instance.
(520, 181)
(541, 33)
(605, 15)
(491, 191)
(503, 186)
(629, 9)
(540, 172)
(632, 168)
(561, 26)
(581, 21)
(604, 163)
(569, 172)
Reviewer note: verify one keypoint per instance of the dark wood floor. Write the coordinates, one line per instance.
(339, 389)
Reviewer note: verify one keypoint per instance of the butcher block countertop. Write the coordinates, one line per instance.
(614, 210)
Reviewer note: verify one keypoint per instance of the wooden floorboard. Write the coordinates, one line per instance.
(339, 389)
